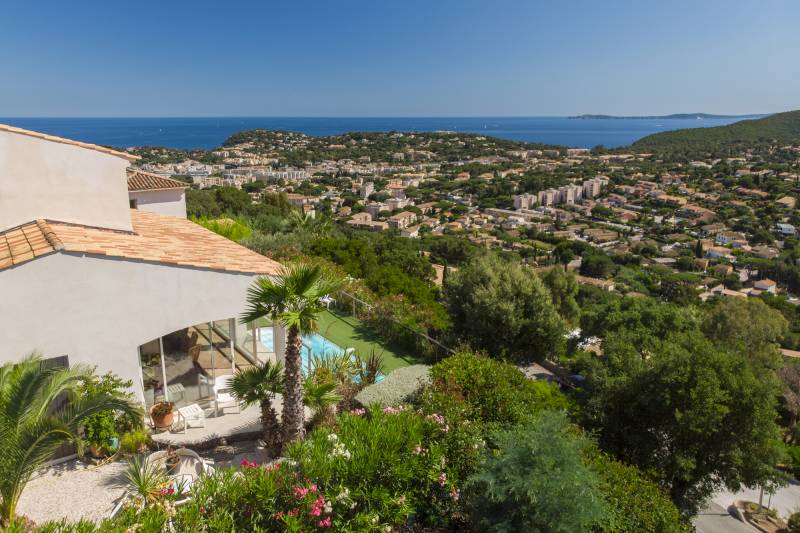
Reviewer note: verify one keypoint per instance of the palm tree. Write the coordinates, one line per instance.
(292, 299)
(40, 410)
(320, 397)
(258, 385)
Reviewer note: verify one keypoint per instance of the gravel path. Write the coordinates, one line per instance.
(73, 490)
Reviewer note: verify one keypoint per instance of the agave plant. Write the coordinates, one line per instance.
(40, 410)
(258, 385)
(146, 479)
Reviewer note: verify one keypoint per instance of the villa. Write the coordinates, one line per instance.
(99, 265)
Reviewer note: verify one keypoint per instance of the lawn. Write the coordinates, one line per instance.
(349, 332)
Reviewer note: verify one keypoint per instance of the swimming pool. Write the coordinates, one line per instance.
(314, 343)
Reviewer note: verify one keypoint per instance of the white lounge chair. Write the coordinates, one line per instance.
(191, 413)
(327, 300)
(222, 396)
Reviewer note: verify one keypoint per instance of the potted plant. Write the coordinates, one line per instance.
(134, 441)
(98, 431)
(161, 414)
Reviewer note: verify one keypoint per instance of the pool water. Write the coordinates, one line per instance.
(314, 343)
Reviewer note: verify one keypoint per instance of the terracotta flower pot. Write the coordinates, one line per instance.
(163, 421)
(97, 451)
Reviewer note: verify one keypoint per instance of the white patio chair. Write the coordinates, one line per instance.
(327, 300)
(222, 396)
(191, 413)
(205, 384)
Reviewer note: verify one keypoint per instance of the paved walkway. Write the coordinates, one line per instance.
(786, 500)
(716, 519)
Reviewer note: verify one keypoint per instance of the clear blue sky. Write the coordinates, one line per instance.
(398, 57)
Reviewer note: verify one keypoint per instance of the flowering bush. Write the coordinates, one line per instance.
(380, 469)
(387, 464)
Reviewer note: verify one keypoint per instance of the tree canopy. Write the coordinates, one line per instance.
(504, 308)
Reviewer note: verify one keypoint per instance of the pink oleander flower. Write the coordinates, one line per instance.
(417, 450)
(325, 523)
(358, 411)
(300, 492)
(293, 512)
(442, 479)
(248, 464)
(279, 514)
(393, 410)
(313, 487)
(455, 494)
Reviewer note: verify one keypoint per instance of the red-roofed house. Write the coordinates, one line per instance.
(152, 297)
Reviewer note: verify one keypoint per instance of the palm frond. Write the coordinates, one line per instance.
(256, 383)
(320, 396)
(33, 425)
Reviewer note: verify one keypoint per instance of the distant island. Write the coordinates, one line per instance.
(667, 117)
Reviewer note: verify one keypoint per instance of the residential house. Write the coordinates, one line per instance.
(726, 237)
(402, 220)
(152, 297)
(157, 194)
(766, 285)
(786, 230)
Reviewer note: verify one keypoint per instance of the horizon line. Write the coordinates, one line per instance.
(100, 117)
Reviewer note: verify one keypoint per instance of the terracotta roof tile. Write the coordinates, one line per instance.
(53, 138)
(145, 181)
(156, 238)
(26, 242)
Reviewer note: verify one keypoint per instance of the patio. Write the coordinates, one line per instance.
(230, 426)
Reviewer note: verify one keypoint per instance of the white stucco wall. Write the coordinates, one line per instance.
(99, 311)
(56, 181)
(166, 202)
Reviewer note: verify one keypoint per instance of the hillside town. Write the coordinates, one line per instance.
(718, 218)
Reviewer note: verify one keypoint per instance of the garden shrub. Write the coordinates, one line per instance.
(634, 503)
(494, 392)
(396, 387)
(100, 428)
(134, 441)
(794, 522)
(794, 456)
(235, 230)
(536, 480)
(463, 442)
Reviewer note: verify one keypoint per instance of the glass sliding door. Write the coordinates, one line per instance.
(188, 381)
(152, 375)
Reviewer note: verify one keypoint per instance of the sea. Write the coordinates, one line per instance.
(211, 132)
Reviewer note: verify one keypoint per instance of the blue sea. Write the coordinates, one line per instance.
(210, 132)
